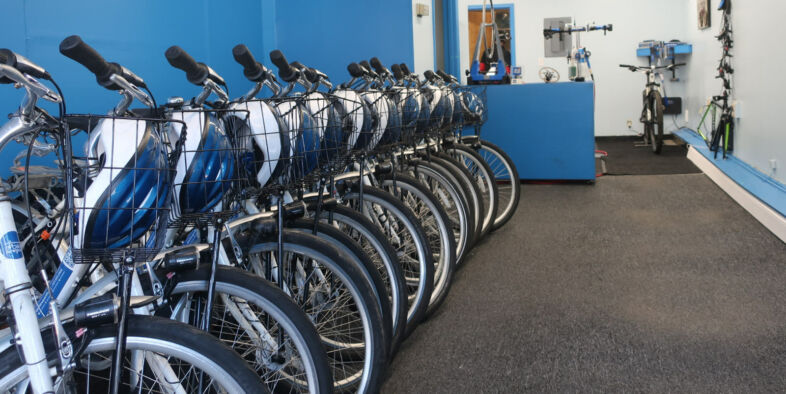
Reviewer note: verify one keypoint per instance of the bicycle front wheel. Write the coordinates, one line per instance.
(261, 323)
(162, 355)
(506, 175)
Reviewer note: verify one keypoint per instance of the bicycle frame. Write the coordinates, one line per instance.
(13, 268)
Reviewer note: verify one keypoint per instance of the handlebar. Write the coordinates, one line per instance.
(285, 70)
(307, 72)
(355, 70)
(252, 69)
(368, 68)
(23, 64)
(445, 76)
(76, 49)
(647, 68)
(196, 73)
(430, 76)
(378, 67)
(397, 73)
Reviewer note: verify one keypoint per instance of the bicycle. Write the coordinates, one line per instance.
(70, 338)
(652, 97)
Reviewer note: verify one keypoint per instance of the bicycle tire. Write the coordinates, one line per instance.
(470, 189)
(434, 220)
(500, 162)
(483, 177)
(334, 267)
(276, 306)
(352, 250)
(149, 334)
(417, 263)
(656, 131)
(371, 239)
(451, 197)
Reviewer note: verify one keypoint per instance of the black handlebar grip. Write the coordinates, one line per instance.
(610, 27)
(397, 72)
(367, 67)
(252, 70)
(76, 49)
(24, 65)
(405, 69)
(625, 66)
(355, 70)
(285, 70)
(195, 73)
(4, 60)
(377, 65)
(445, 76)
(430, 75)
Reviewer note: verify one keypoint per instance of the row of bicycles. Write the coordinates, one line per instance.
(287, 240)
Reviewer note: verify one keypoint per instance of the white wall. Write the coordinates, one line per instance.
(423, 38)
(758, 86)
(618, 91)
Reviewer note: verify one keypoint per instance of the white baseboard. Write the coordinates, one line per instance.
(770, 218)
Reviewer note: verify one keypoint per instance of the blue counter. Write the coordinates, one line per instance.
(547, 129)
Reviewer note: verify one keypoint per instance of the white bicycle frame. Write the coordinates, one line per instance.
(16, 283)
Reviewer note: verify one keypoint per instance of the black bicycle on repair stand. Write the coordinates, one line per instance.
(652, 97)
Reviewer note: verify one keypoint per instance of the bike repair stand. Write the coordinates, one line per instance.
(498, 73)
(579, 55)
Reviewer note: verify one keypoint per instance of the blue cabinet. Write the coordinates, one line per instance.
(547, 129)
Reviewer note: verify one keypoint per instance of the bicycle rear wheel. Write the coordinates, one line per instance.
(656, 123)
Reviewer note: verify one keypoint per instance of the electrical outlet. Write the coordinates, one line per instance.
(630, 124)
(773, 165)
(687, 115)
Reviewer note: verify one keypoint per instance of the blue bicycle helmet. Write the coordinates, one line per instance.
(393, 129)
(262, 135)
(206, 167)
(130, 191)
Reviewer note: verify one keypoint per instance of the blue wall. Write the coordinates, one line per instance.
(135, 35)
(331, 34)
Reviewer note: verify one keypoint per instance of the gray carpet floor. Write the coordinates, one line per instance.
(634, 284)
(627, 158)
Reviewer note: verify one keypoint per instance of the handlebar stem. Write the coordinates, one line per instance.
(208, 87)
(129, 92)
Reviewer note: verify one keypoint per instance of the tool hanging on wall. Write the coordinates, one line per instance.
(579, 57)
(497, 72)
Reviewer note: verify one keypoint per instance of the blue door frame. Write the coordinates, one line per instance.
(450, 14)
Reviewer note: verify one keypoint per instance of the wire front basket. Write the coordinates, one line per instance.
(210, 173)
(122, 186)
(290, 142)
(473, 103)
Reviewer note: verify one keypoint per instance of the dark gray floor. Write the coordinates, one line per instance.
(638, 283)
(626, 158)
